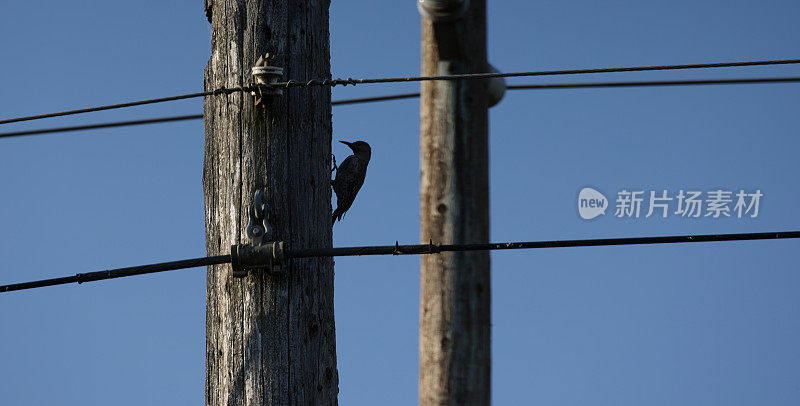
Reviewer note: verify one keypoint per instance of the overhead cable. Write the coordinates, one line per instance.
(350, 81)
(418, 249)
(414, 95)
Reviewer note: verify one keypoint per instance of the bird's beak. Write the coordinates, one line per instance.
(349, 144)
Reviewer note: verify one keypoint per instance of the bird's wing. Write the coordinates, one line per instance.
(348, 166)
(361, 170)
(349, 180)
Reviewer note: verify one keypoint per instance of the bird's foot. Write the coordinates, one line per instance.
(333, 161)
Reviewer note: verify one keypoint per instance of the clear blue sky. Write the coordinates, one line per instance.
(700, 324)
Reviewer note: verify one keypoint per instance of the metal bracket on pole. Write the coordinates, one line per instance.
(262, 253)
(444, 14)
(258, 228)
(497, 88)
(266, 75)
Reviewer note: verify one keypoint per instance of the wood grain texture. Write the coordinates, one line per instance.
(455, 332)
(270, 339)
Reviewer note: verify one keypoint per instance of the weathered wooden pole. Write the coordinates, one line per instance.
(270, 339)
(455, 348)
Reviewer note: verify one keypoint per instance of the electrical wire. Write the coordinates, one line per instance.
(437, 248)
(182, 118)
(414, 95)
(120, 272)
(121, 105)
(350, 81)
(375, 99)
(489, 75)
(419, 249)
(691, 82)
(102, 125)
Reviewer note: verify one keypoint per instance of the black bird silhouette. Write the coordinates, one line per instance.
(350, 176)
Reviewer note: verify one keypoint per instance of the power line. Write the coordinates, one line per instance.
(120, 105)
(120, 272)
(102, 125)
(414, 95)
(645, 83)
(182, 118)
(657, 83)
(350, 81)
(345, 82)
(435, 248)
(375, 99)
(419, 249)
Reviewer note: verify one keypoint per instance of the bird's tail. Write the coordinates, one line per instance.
(337, 215)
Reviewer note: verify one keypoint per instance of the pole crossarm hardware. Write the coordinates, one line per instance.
(266, 77)
(261, 253)
(253, 257)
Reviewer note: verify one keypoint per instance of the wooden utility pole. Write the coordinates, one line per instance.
(270, 338)
(455, 347)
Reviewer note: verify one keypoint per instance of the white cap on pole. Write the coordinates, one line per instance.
(442, 10)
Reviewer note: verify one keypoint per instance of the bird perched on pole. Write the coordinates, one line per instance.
(350, 176)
